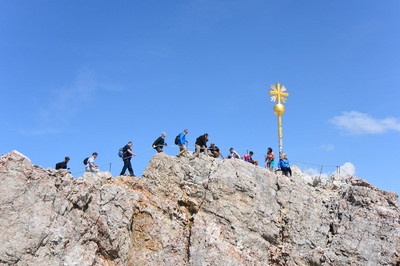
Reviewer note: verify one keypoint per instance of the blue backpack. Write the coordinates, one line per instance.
(121, 152)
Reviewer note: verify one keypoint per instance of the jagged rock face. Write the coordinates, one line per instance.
(192, 211)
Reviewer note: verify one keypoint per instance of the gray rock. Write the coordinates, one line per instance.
(193, 211)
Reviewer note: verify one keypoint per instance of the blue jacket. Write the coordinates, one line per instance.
(283, 163)
(182, 139)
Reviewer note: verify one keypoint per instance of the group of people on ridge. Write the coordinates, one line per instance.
(180, 140)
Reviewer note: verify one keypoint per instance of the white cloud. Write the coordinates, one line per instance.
(327, 147)
(314, 172)
(357, 123)
(63, 105)
(348, 169)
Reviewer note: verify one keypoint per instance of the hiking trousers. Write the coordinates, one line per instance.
(127, 165)
(182, 150)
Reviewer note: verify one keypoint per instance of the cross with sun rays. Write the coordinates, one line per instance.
(279, 94)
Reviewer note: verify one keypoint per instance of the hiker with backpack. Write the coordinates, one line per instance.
(63, 164)
(89, 163)
(201, 144)
(126, 157)
(181, 141)
(159, 143)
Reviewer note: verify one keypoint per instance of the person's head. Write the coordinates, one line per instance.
(95, 154)
(67, 159)
(212, 144)
(163, 134)
(251, 153)
(283, 155)
(231, 150)
(185, 131)
(130, 143)
(269, 150)
(206, 135)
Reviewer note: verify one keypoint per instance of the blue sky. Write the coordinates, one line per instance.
(84, 76)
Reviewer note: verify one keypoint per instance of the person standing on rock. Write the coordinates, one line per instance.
(249, 158)
(181, 142)
(233, 154)
(215, 152)
(285, 165)
(159, 143)
(126, 157)
(201, 144)
(270, 159)
(90, 166)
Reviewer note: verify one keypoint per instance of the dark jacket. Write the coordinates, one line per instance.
(61, 165)
(126, 154)
(159, 142)
(202, 141)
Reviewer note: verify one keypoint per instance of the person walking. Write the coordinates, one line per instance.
(181, 142)
(159, 143)
(90, 166)
(233, 154)
(126, 157)
(201, 144)
(215, 152)
(63, 164)
(285, 165)
(270, 159)
(249, 158)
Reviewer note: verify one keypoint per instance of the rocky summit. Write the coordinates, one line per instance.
(193, 211)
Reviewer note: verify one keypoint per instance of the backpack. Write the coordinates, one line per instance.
(177, 139)
(85, 161)
(121, 152)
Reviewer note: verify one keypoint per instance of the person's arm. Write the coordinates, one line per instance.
(130, 151)
(221, 155)
(93, 165)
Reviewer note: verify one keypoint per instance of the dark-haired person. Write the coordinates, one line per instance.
(63, 164)
(159, 143)
(233, 154)
(126, 157)
(249, 158)
(270, 159)
(201, 144)
(90, 166)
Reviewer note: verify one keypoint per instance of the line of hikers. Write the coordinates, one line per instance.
(200, 147)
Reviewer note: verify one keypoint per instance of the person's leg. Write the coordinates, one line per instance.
(198, 148)
(182, 150)
(124, 168)
(129, 166)
(159, 149)
(284, 171)
(289, 170)
(255, 162)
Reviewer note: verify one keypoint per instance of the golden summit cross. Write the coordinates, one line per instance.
(279, 93)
